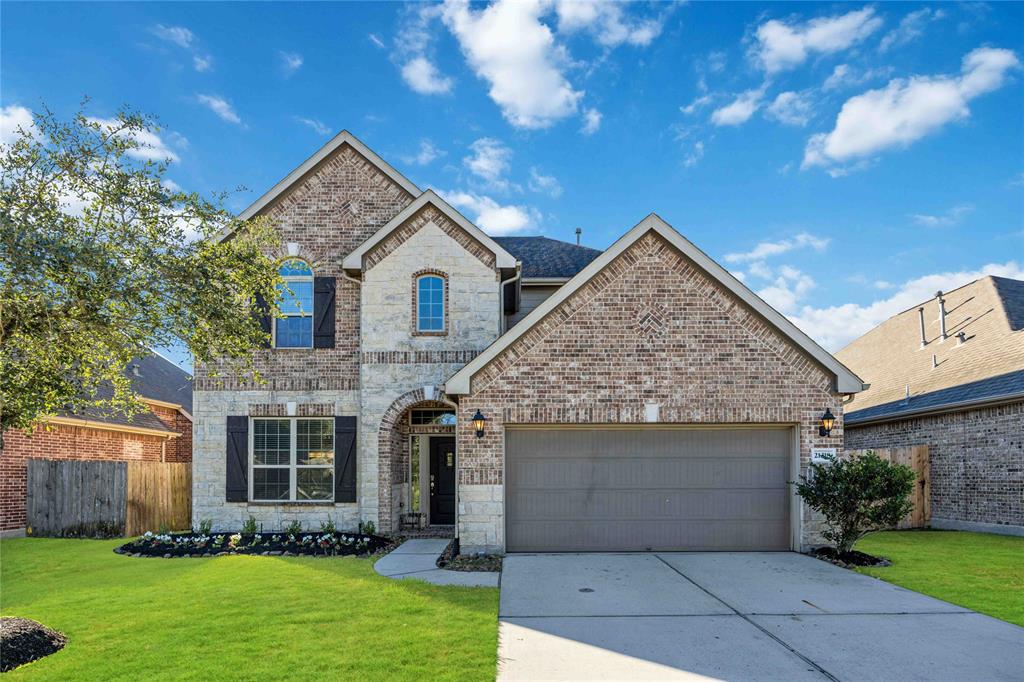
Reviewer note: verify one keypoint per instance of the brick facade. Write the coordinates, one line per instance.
(976, 458)
(60, 441)
(649, 328)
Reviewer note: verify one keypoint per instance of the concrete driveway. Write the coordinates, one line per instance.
(734, 616)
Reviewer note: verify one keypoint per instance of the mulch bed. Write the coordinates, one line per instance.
(466, 562)
(173, 545)
(849, 559)
(23, 641)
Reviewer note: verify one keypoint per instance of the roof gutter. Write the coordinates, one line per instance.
(937, 409)
(104, 426)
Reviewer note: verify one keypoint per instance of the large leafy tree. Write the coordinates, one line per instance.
(102, 257)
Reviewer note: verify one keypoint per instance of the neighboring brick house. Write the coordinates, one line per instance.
(949, 373)
(163, 433)
(638, 398)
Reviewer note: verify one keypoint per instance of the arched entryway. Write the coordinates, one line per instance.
(417, 462)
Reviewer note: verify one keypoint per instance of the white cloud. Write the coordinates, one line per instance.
(607, 22)
(908, 109)
(882, 284)
(317, 127)
(844, 76)
(591, 121)
(422, 76)
(787, 290)
(698, 103)
(489, 159)
(490, 216)
(696, 153)
(151, 146)
(767, 249)
(1017, 180)
(547, 184)
(13, 117)
(739, 110)
(791, 108)
(375, 39)
(835, 326)
(290, 61)
(507, 45)
(910, 28)
(179, 35)
(782, 46)
(202, 62)
(221, 107)
(950, 217)
(427, 152)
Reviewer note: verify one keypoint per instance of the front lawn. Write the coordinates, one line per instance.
(976, 570)
(241, 617)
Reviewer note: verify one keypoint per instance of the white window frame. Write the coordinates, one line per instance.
(293, 466)
(444, 303)
(307, 314)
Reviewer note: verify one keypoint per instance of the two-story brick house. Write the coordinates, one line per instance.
(532, 394)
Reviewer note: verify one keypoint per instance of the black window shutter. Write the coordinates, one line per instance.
(262, 313)
(323, 312)
(344, 459)
(236, 488)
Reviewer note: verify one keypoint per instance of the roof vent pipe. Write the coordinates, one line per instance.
(935, 361)
(924, 339)
(942, 314)
(579, 231)
(961, 338)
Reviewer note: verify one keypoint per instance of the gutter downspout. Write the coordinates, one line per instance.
(501, 297)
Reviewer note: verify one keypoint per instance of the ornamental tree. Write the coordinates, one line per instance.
(102, 258)
(857, 496)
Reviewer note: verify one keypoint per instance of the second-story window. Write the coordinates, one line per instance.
(430, 303)
(295, 329)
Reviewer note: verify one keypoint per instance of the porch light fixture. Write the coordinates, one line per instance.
(478, 423)
(828, 420)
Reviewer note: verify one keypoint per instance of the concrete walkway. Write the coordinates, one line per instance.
(417, 559)
(733, 616)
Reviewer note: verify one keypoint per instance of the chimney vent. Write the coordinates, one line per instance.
(942, 315)
(579, 231)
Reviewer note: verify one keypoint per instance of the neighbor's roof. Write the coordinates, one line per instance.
(846, 381)
(543, 257)
(987, 366)
(158, 379)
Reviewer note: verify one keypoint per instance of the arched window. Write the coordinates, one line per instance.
(295, 329)
(430, 302)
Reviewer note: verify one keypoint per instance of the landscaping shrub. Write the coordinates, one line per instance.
(23, 641)
(313, 544)
(857, 495)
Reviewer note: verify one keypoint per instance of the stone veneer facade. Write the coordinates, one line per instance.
(378, 367)
(651, 327)
(976, 459)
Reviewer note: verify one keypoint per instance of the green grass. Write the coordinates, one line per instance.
(976, 570)
(241, 617)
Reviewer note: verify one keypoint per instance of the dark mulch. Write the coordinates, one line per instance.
(849, 559)
(23, 641)
(468, 562)
(270, 544)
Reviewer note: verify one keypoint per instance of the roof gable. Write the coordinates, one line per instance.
(342, 138)
(355, 261)
(846, 381)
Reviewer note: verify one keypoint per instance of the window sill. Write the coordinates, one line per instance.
(301, 503)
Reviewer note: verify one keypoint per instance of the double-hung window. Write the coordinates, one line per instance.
(430, 304)
(295, 328)
(292, 460)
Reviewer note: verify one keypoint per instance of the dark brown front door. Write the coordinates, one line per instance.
(442, 481)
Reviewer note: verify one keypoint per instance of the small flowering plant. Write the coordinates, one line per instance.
(192, 543)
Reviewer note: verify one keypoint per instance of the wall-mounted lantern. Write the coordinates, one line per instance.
(828, 420)
(478, 423)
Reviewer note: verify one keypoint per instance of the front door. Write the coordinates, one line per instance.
(442, 481)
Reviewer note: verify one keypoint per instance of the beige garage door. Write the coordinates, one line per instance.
(619, 489)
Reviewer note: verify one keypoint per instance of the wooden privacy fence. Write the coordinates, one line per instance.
(915, 457)
(89, 498)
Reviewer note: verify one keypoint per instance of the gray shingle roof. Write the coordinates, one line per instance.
(545, 257)
(1011, 291)
(158, 379)
(993, 388)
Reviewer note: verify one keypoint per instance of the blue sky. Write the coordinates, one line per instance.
(845, 160)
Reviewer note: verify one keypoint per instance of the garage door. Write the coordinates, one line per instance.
(616, 489)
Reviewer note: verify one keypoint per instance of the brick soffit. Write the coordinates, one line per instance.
(846, 381)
